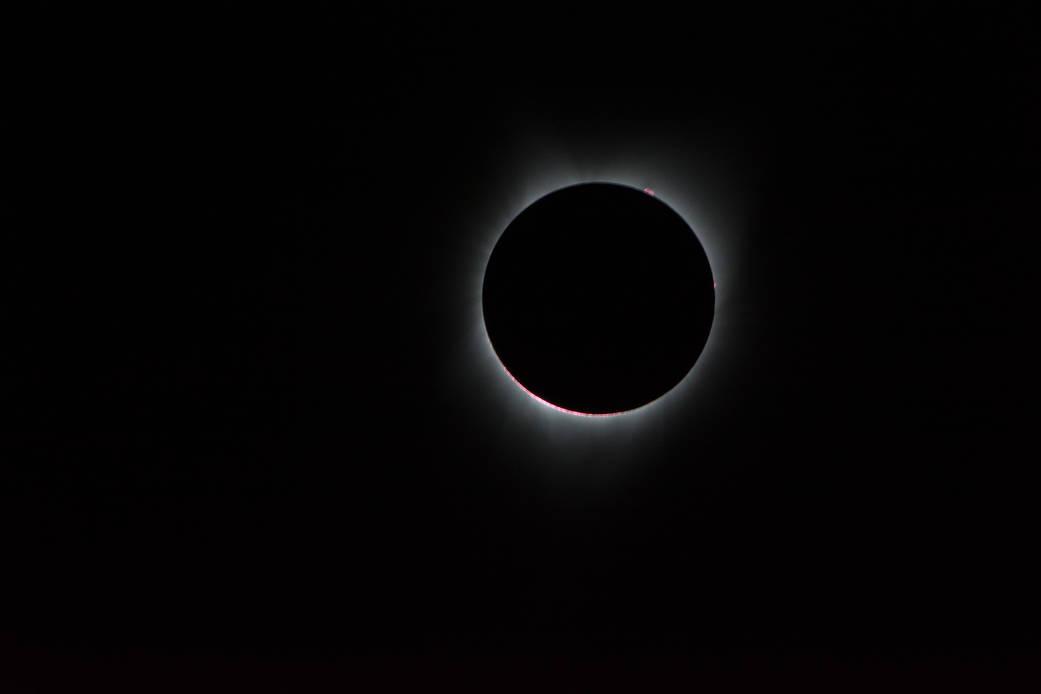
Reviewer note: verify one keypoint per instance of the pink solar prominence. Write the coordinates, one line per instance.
(558, 408)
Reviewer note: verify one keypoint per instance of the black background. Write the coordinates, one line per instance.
(229, 452)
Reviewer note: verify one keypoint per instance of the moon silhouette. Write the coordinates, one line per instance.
(598, 298)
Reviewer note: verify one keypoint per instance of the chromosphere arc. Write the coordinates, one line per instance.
(598, 298)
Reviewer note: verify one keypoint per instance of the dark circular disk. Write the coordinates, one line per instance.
(598, 298)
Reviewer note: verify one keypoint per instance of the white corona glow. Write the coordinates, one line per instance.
(696, 186)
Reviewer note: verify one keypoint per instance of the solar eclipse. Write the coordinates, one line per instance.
(598, 299)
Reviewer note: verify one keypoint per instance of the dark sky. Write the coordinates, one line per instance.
(242, 433)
